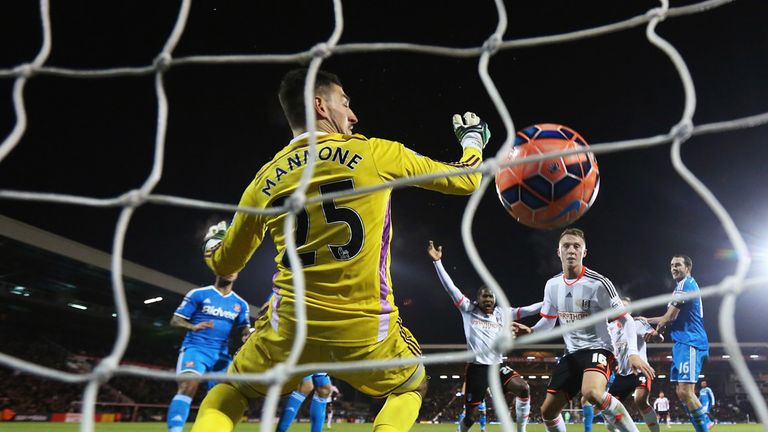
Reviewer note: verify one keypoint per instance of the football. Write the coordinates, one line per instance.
(550, 193)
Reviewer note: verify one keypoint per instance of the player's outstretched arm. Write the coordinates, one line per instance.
(520, 329)
(453, 291)
(471, 131)
(435, 253)
(667, 318)
(228, 248)
(395, 161)
(652, 336)
(526, 311)
(545, 323)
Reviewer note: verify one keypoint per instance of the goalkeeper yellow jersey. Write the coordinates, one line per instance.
(343, 243)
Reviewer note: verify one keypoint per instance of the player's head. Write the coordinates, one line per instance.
(703, 384)
(331, 104)
(661, 394)
(680, 267)
(486, 300)
(572, 248)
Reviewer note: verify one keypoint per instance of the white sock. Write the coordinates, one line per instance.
(651, 420)
(522, 410)
(615, 413)
(556, 425)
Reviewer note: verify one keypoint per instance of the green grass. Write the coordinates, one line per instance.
(342, 427)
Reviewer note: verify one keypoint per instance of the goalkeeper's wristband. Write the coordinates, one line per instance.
(471, 131)
(471, 139)
(210, 247)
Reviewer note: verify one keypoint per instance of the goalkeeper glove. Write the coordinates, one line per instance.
(471, 131)
(214, 236)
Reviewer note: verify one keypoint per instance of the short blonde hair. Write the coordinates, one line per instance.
(575, 232)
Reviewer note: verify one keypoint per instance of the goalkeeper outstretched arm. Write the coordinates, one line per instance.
(228, 248)
(394, 160)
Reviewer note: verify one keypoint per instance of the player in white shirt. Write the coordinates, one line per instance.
(483, 321)
(569, 297)
(335, 395)
(661, 405)
(626, 382)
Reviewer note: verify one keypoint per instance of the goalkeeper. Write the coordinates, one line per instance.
(344, 248)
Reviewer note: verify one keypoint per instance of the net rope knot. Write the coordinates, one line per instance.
(103, 371)
(24, 71)
(682, 131)
(278, 374)
(504, 343)
(491, 166)
(295, 202)
(321, 50)
(658, 13)
(133, 198)
(492, 44)
(732, 285)
(162, 62)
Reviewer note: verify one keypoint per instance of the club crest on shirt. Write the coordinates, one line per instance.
(189, 364)
(585, 303)
(237, 307)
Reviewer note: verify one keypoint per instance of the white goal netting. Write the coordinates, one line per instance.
(729, 288)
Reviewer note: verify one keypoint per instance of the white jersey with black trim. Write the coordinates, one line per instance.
(481, 329)
(620, 348)
(661, 404)
(574, 300)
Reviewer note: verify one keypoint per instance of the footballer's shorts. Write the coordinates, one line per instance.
(266, 348)
(686, 363)
(625, 385)
(319, 379)
(569, 371)
(199, 360)
(476, 382)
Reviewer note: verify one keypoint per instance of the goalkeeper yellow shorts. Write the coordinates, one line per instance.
(265, 348)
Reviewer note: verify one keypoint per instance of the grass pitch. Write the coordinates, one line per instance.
(341, 427)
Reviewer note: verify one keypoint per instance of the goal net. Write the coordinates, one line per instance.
(497, 44)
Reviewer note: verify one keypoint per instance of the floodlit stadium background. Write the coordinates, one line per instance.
(94, 138)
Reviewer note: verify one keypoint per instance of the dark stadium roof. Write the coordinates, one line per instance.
(48, 279)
